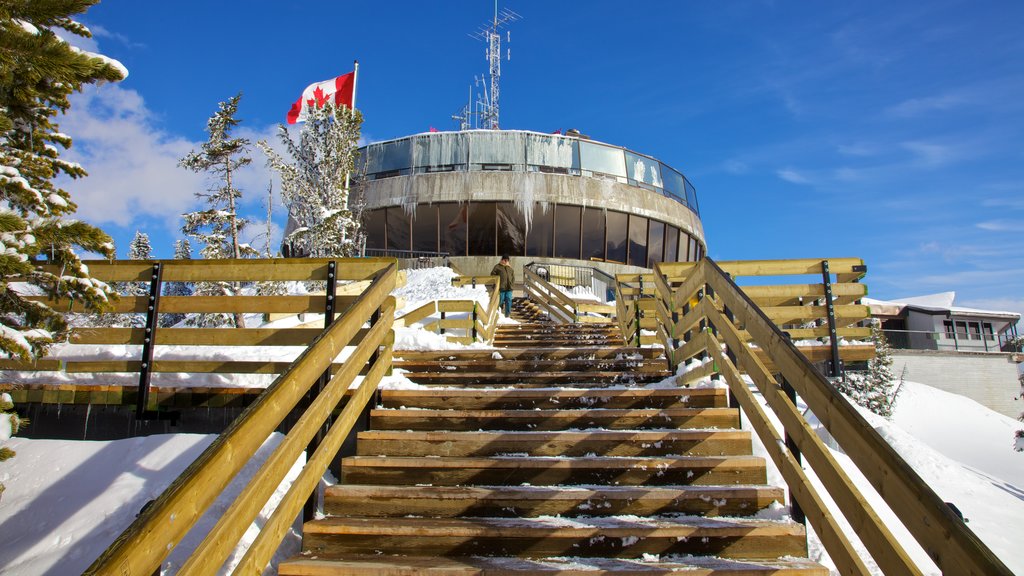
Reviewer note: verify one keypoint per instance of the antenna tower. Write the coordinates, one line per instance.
(490, 33)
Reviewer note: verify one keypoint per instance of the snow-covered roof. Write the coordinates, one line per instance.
(933, 303)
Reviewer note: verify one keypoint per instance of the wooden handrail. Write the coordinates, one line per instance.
(142, 547)
(953, 547)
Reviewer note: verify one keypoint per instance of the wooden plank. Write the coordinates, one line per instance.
(231, 270)
(198, 336)
(141, 548)
(410, 318)
(790, 294)
(848, 313)
(851, 333)
(885, 549)
(954, 548)
(457, 323)
(470, 280)
(825, 525)
(455, 305)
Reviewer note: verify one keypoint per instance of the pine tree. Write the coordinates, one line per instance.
(313, 182)
(217, 228)
(182, 251)
(139, 248)
(38, 72)
(877, 388)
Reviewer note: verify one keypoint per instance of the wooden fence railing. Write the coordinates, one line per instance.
(561, 307)
(819, 316)
(475, 322)
(720, 324)
(147, 542)
(149, 335)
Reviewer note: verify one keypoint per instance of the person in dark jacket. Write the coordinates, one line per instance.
(507, 278)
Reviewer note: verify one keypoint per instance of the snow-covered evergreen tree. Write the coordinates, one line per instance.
(182, 251)
(139, 248)
(38, 71)
(217, 228)
(313, 182)
(877, 388)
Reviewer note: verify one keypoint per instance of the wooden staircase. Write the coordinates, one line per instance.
(550, 456)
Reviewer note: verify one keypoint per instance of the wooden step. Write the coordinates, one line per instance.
(534, 378)
(546, 352)
(387, 565)
(528, 501)
(668, 418)
(548, 471)
(536, 365)
(552, 398)
(559, 342)
(604, 443)
(626, 537)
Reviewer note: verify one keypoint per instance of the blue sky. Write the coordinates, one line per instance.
(891, 131)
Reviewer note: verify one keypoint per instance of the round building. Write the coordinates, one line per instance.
(544, 198)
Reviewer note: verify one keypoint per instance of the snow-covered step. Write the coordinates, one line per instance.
(611, 537)
(616, 419)
(501, 365)
(549, 471)
(526, 501)
(536, 379)
(555, 443)
(555, 398)
(542, 352)
(650, 565)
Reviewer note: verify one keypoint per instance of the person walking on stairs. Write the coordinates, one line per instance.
(507, 277)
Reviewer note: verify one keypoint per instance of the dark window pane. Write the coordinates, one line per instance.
(481, 229)
(388, 156)
(643, 170)
(398, 229)
(511, 230)
(692, 257)
(674, 183)
(616, 240)
(637, 240)
(424, 228)
(691, 197)
(374, 228)
(494, 147)
(538, 241)
(671, 244)
(553, 151)
(593, 234)
(453, 228)
(567, 231)
(602, 159)
(655, 243)
(444, 149)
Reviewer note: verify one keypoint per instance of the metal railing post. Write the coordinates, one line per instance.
(794, 506)
(148, 346)
(330, 291)
(835, 365)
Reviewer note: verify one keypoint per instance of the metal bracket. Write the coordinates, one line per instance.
(148, 345)
(835, 365)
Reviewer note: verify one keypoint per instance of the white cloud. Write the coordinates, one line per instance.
(919, 106)
(734, 166)
(999, 226)
(999, 304)
(857, 149)
(930, 154)
(790, 175)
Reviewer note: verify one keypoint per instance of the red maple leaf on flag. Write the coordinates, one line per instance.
(320, 98)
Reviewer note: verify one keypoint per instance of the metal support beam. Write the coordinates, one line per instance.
(795, 510)
(148, 346)
(835, 368)
(310, 508)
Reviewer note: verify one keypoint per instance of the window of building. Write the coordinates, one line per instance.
(989, 334)
(642, 170)
(511, 229)
(593, 234)
(948, 325)
(671, 243)
(602, 159)
(399, 230)
(496, 148)
(375, 227)
(482, 229)
(637, 240)
(553, 153)
(691, 197)
(567, 231)
(692, 254)
(961, 330)
(391, 156)
(539, 241)
(447, 150)
(975, 328)
(617, 225)
(655, 243)
(424, 228)
(453, 220)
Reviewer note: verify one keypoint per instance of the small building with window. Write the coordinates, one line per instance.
(970, 352)
(544, 198)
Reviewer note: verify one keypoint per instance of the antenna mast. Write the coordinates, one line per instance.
(491, 34)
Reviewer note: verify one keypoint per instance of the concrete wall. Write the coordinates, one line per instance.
(989, 379)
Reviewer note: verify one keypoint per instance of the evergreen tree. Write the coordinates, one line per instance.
(38, 71)
(182, 251)
(313, 182)
(217, 228)
(139, 248)
(877, 388)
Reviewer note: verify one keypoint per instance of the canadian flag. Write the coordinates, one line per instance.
(339, 90)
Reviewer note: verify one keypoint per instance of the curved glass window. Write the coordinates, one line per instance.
(643, 170)
(399, 229)
(482, 231)
(602, 159)
(637, 240)
(567, 231)
(511, 230)
(674, 182)
(446, 150)
(549, 151)
(388, 156)
(424, 228)
(490, 147)
(655, 243)
(691, 197)
(453, 219)
(617, 224)
(374, 227)
(593, 234)
(671, 243)
(539, 239)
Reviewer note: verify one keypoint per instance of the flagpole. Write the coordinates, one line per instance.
(352, 111)
(355, 84)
